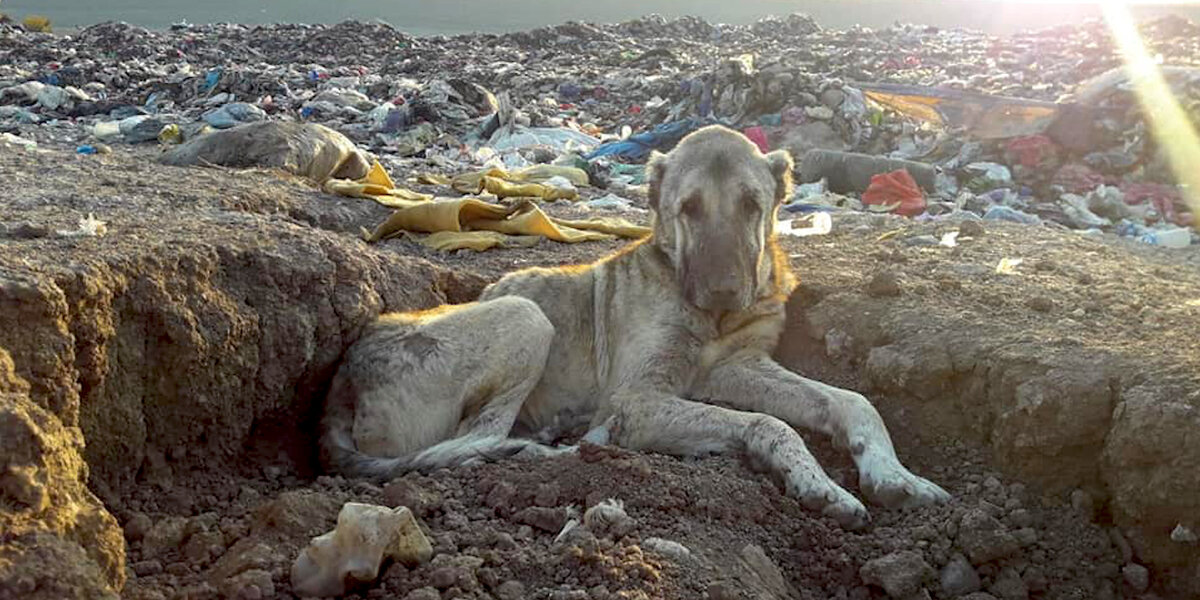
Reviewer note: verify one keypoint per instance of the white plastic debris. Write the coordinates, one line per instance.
(672, 550)
(1008, 266)
(364, 536)
(1183, 535)
(89, 226)
(608, 518)
(820, 224)
(559, 182)
(17, 140)
(949, 239)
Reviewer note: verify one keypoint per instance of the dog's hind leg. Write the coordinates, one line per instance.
(427, 390)
(760, 384)
(672, 425)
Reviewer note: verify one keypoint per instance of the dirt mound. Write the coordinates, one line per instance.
(190, 343)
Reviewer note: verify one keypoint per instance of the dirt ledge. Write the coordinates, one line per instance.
(1079, 371)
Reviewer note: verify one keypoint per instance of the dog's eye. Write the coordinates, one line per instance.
(692, 207)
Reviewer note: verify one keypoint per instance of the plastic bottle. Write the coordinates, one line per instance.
(1171, 238)
(87, 149)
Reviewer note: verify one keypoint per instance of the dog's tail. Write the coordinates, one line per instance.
(339, 453)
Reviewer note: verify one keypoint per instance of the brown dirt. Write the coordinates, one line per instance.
(191, 344)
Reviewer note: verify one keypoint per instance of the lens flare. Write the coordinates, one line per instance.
(1169, 123)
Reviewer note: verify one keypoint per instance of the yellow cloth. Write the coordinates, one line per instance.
(467, 222)
(523, 183)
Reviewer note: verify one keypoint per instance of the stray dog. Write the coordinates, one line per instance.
(630, 347)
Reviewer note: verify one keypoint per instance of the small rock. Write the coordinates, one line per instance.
(147, 568)
(971, 229)
(900, 574)
(510, 590)
(884, 283)
(428, 593)
(166, 535)
(985, 539)
(978, 596)
(550, 520)
(958, 577)
(444, 577)
(1083, 503)
(1021, 518)
(1026, 536)
(1118, 540)
(500, 497)
(1009, 586)
(1040, 303)
(138, 527)
(1137, 576)
(179, 569)
(405, 493)
(547, 495)
(669, 549)
(203, 545)
(723, 590)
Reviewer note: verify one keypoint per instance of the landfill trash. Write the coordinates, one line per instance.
(896, 192)
(17, 140)
(949, 239)
(89, 226)
(987, 176)
(613, 202)
(847, 172)
(609, 519)
(86, 149)
(1005, 213)
(819, 223)
(304, 149)
(473, 223)
(1053, 107)
(364, 537)
(1008, 266)
(234, 113)
(1176, 237)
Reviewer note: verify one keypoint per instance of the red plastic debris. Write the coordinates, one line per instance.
(759, 137)
(1031, 151)
(897, 187)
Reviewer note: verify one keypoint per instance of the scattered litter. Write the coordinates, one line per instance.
(819, 223)
(89, 226)
(949, 239)
(608, 518)
(1008, 266)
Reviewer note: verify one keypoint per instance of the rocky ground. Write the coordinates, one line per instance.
(175, 365)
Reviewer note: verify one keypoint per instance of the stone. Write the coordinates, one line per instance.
(510, 590)
(984, 539)
(900, 574)
(425, 593)
(166, 535)
(148, 568)
(884, 284)
(958, 577)
(255, 583)
(365, 535)
(1009, 585)
(1137, 576)
(137, 527)
(550, 520)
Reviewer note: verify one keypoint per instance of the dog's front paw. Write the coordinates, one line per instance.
(889, 484)
(819, 493)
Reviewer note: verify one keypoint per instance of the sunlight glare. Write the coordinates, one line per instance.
(1169, 123)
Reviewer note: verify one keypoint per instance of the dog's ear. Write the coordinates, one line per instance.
(780, 162)
(656, 168)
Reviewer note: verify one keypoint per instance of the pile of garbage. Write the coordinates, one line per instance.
(1042, 127)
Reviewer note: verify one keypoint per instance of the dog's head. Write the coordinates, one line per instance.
(714, 197)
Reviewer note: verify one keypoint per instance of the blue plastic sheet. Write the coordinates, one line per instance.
(662, 138)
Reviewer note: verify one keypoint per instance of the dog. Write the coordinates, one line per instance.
(664, 346)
